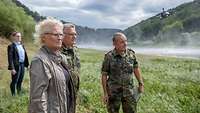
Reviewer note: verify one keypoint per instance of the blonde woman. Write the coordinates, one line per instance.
(51, 87)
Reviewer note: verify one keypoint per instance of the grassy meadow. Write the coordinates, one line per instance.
(172, 85)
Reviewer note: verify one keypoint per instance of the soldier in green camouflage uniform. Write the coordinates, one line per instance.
(70, 52)
(117, 77)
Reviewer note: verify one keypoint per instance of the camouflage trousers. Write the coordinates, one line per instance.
(128, 105)
(117, 97)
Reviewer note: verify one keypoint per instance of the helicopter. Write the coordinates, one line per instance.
(164, 13)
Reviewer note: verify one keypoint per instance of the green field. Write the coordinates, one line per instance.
(172, 85)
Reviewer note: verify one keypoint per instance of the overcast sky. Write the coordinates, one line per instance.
(118, 14)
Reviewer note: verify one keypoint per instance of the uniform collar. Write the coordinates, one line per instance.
(122, 55)
(67, 49)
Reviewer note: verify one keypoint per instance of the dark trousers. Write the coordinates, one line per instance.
(17, 79)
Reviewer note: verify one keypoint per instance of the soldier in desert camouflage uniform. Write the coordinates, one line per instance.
(70, 52)
(117, 76)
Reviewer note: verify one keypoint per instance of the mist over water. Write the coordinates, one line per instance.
(97, 47)
(184, 52)
(175, 52)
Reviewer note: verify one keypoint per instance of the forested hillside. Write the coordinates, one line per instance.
(36, 16)
(13, 18)
(180, 27)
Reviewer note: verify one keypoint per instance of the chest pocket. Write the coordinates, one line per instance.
(128, 65)
(115, 66)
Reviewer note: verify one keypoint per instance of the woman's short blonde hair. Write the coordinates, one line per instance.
(46, 26)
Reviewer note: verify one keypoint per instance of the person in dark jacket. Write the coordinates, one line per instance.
(17, 61)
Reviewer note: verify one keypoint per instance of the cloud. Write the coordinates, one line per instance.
(52, 3)
(101, 13)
